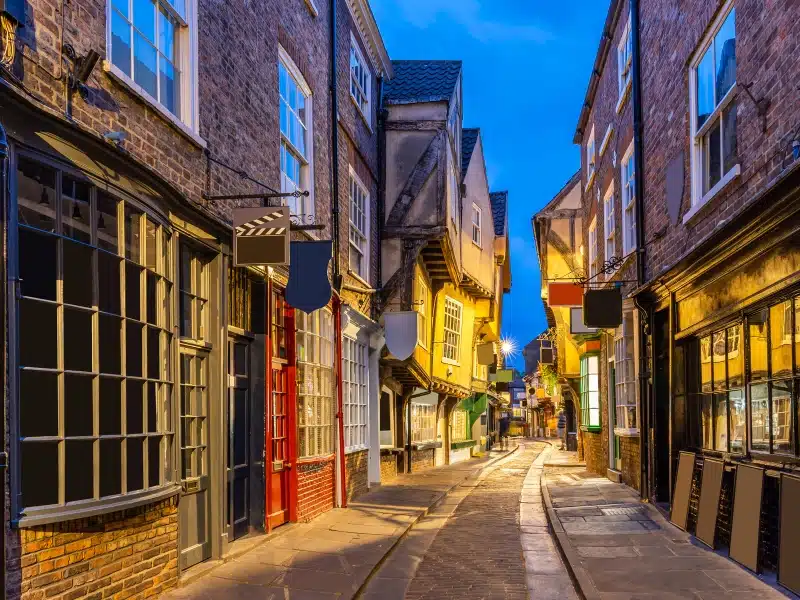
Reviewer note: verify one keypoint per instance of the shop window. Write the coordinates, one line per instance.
(354, 394)
(773, 377)
(194, 293)
(721, 391)
(239, 299)
(93, 377)
(315, 385)
(625, 376)
(278, 330)
(423, 422)
(590, 392)
(387, 418)
(459, 420)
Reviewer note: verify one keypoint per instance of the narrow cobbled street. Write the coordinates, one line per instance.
(476, 544)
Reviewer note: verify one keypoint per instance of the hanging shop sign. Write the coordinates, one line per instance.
(485, 354)
(505, 375)
(261, 236)
(602, 308)
(564, 293)
(546, 356)
(309, 288)
(576, 325)
(401, 333)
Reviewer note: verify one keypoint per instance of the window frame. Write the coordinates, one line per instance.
(624, 53)
(429, 412)
(450, 333)
(628, 197)
(163, 268)
(355, 52)
(187, 49)
(422, 293)
(591, 158)
(306, 160)
(462, 415)
(625, 388)
(476, 225)
(610, 223)
(586, 405)
(697, 150)
(355, 376)
(364, 273)
(594, 268)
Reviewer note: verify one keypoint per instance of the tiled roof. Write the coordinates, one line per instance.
(499, 206)
(469, 137)
(421, 81)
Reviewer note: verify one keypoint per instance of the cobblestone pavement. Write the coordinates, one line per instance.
(621, 549)
(489, 540)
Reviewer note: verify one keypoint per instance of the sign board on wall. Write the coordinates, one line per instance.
(261, 236)
(564, 293)
(576, 324)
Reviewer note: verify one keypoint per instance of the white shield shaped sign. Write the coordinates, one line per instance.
(261, 236)
(401, 333)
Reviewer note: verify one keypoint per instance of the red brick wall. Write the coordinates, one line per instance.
(315, 488)
(357, 478)
(596, 459)
(631, 465)
(767, 37)
(128, 554)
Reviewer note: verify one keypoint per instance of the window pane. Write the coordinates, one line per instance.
(153, 353)
(718, 351)
(110, 406)
(738, 424)
(170, 87)
(135, 469)
(153, 461)
(705, 87)
(37, 264)
(133, 239)
(144, 18)
(133, 285)
(133, 345)
(725, 49)
(151, 299)
(729, 139)
(38, 403)
(37, 337)
(152, 408)
(780, 327)
(36, 195)
(134, 407)
(39, 471)
(79, 477)
(110, 344)
(782, 417)
(759, 413)
(705, 365)
(78, 407)
(166, 35)
(758, 348)
(187, 322)
(77, 340)
(110, 467)
(107, 236)
(109, 284)
(75, 211)
(121, 41)
(151, 231)
(721, 422)
(713, 154)
(735, 357)
(707, 420)
(78, 271)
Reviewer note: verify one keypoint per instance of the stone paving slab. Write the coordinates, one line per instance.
(620, 549)
(331, 557)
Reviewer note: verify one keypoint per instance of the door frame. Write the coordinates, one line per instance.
(291, 398)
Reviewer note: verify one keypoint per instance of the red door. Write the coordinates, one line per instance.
(278, 468)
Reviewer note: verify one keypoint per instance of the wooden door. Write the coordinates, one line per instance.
(278, 438)
(239, 438)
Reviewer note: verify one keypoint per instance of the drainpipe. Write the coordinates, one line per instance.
(638, 151)
(4, 195)
(337, 304)
(334, 91)
(381, 175)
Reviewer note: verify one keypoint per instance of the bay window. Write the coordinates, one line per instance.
(713, 108)
(92, 345)
(296, 152)
(625, 375)
(423, 422)
(590, 392)
(354, 394)
(315, 383)
(459, 420)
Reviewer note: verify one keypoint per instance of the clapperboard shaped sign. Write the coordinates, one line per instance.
(261, 236)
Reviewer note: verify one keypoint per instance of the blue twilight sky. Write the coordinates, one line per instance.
(526, 68)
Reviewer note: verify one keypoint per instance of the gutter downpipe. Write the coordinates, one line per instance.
(381, 175)
(638, 145)
(4, 196)
(337, 278)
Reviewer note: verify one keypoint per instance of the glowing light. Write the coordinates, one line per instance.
(508, 347)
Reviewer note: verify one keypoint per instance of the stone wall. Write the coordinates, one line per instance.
(631, 465)
(596, 459)
(127, 554)
(357, 474)
(423, 459)
(315, 488)
(388, 467)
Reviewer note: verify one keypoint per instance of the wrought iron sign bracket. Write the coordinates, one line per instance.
(298, 222)
(608, 267)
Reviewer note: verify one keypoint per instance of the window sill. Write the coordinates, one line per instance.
(606, 139)
(361, 113)
(359, 278)
(425, 445)
(91, 508)
(477, 245)
(121, 78)
(704, 202)
(462, 444)
(356, 449)
(591, 429)
(622, 432)
(590, 181)
(312, 8)
(624, 97)
(198, 344)
(450, 361)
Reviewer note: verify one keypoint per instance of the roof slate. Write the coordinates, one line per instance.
(469, 137)
(499, 202)
(421, 81)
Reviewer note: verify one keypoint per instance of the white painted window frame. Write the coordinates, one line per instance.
(625, 379)
(624, 64)
(355, 395)
(364, 274)
(476, 224)
(355, 53)
(421, 307)
(593, 254)
(452, 336)
(609, 223)
(628, 196)
(591, 159)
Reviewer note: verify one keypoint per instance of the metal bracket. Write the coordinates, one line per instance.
(762, 105)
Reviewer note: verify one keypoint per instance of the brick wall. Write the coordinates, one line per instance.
(423, 459)
(596, 459)
(357, 478)
(315, 488)
(766, 40)
(129, 554)
(388, 467)
(631, 465)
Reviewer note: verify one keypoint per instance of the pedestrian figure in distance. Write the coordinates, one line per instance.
(504, 425)
(561, 428)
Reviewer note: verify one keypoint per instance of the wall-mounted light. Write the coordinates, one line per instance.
(81, 70)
